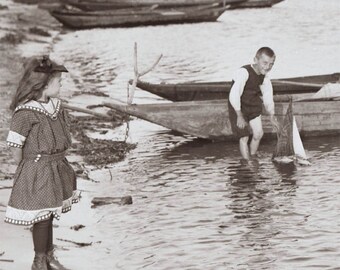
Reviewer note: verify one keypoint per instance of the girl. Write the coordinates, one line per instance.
(44, 182)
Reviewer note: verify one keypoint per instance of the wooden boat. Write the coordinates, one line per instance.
(220, 90)
(92, 5)
(209, 119)
(81, 19)
(256, 4)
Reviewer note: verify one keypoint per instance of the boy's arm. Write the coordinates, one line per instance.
(240, 78)
(268, 100)
(267, 94)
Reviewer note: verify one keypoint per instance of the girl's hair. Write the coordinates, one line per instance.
(32, 83)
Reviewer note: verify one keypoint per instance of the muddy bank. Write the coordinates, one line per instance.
(26, 30)
(96, 152)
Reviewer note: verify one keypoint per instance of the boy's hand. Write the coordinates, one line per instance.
(241, 123)
(275, 123)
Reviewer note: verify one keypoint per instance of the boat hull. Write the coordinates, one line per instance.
(84, 20)
(220, 90)
(114, 5)
(256, 4)
(209, 119)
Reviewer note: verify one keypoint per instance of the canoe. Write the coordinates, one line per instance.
(256, 4)
(220, 90)
(93, 5)
(209, 119)
(83, 20)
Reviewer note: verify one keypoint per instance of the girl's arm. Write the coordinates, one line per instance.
(17, 154)
(21, 125)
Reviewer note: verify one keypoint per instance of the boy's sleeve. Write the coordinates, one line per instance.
(19, 130)
(267, 93)
(240, 78)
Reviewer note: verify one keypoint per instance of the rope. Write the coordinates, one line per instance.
(130, 95)
(126, 117)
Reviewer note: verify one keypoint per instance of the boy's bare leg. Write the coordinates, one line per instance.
(244, 147)
(256, 127)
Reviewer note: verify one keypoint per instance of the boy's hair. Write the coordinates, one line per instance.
(33, 82)
(265, 50)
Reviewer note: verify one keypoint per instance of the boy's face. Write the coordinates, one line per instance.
(264, 63)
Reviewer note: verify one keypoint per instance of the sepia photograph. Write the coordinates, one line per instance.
(169, 134)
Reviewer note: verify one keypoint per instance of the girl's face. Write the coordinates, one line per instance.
(53, 87)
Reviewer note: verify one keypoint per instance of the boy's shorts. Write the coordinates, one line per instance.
(249, 114)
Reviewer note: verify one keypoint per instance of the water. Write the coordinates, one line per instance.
(195, 205)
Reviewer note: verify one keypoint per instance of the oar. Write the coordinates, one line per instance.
(298, 83)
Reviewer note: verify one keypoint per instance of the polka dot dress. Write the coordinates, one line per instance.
(44, 182)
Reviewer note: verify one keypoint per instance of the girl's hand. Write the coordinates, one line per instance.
(17, 154)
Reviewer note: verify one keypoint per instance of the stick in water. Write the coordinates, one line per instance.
(137, 75)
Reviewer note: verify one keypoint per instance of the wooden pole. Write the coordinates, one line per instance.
(87, 111)
(135, 78)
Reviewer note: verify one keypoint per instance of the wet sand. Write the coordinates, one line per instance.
(26, 30)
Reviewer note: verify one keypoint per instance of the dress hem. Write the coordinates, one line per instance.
(55, 212)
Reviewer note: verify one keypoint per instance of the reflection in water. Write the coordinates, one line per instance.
(201, 149)
(286, 171)
(252, 203)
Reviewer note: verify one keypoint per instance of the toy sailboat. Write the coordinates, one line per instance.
(289, 146)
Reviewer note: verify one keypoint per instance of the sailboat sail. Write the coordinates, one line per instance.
(289, 143)
(299, 150)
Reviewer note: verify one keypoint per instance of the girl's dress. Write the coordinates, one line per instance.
(44, 182)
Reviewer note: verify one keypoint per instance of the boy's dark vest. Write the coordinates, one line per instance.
(252, 94)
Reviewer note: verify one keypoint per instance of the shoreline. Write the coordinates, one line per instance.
(27, 30)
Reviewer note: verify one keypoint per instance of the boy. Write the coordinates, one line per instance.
(250, 89)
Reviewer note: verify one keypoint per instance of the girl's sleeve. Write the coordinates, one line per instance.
(66, 117)
(67, 125)
(20, 127)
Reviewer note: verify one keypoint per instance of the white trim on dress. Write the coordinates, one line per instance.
(27, 217)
